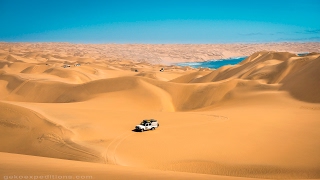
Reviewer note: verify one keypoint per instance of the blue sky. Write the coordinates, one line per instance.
(165, 21)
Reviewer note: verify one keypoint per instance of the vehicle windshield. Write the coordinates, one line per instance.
(143, 123)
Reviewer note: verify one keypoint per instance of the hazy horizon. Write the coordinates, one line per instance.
(160, 22)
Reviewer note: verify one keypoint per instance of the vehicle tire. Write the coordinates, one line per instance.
(141, 130)
(152, 128)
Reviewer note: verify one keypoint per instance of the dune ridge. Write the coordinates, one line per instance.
(267, 68)
(257, 119)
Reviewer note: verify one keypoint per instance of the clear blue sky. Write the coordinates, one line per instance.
(159, 21)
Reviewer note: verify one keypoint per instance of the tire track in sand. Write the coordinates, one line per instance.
(110, 153)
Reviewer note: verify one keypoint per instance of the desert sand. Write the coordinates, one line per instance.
(258, 119)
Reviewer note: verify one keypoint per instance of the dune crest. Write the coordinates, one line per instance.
(257, 119)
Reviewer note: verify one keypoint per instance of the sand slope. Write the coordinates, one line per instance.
(26, 166)
(27, 132)
(258, 119)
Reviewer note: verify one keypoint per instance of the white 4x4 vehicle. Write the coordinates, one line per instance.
(147, 125)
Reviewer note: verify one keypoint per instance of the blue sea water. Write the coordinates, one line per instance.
(302, 54)
(213, 64)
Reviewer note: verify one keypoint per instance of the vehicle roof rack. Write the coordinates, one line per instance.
(150, 120)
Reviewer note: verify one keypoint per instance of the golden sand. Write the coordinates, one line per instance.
(259, 119)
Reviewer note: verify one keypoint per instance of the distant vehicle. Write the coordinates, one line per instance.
(77, 64)
(147, 125)
(161, 70)
(66, 66)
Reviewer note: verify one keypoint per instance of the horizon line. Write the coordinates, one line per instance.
(43, 42)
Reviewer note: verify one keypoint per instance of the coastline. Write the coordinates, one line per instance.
(77, 105)
(213, 63)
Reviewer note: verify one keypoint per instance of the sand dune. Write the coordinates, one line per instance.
(59, 169)
(303, 83)
(257, 119)
(191, 77)
(27, 132)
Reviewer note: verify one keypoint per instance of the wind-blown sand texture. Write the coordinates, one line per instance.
(259, 119)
